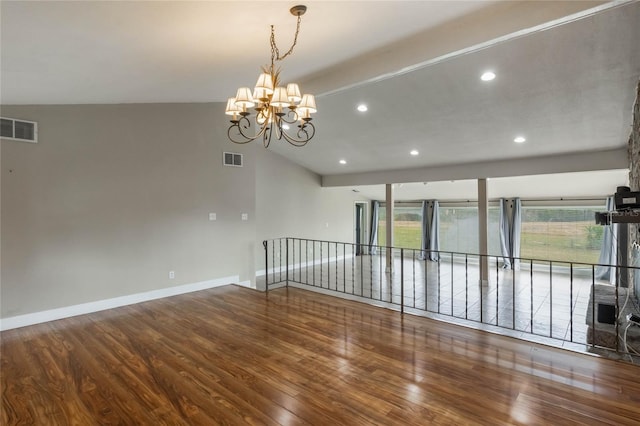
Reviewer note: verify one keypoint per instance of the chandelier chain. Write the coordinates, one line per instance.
(275, 52)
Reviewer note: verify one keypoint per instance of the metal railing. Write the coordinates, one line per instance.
(556, 300)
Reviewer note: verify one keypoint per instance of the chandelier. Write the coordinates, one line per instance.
(279, 111)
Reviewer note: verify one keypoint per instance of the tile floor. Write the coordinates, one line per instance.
(543, 302)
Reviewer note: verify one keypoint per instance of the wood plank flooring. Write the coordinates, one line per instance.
(231, 355)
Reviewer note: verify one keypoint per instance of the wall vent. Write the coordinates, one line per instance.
(18, 130)
(232, 159)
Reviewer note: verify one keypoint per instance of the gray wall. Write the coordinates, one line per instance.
(113, 197)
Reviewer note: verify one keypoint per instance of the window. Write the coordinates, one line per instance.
(407, 225)
(459, 229)
(561, 233)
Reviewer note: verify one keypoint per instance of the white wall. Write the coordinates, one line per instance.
(113, 197)
(291, 203)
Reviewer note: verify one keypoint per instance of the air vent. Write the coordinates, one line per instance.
(19, 130)
(232, 159)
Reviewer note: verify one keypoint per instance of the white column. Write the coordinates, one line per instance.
(483, 225)
(389, 222)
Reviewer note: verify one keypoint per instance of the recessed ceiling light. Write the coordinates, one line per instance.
(285, 126)
(488, 76)
(362, 108)
(414, 152)
(343, 161)
(519, 139)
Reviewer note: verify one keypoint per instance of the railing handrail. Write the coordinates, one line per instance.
(524, 260)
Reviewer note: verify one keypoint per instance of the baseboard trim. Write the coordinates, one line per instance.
(116, 302)
(247, 284)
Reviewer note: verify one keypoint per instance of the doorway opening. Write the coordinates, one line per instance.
(360, 221)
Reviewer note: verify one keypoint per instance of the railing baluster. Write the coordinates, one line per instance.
(550, 299)
(344, 267)
(426, 280)
(286, 274)
(439, 283)
(497, 293)
(414, 278)
(336, 266)
(531, 288)
(380, 271)
(480, 283)
(593, 305)
(451, 283)
(280, 259)
(353, 269)
(371, 276)
(328, 265)
(513, 294)
(617, 305)
(466, 286)
(299, 260)
(321, 266)
(361, 278)
(265, 244)
(571, 303)
(401, 282)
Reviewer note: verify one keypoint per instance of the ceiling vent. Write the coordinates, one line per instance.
(18, 130)
(232, 159)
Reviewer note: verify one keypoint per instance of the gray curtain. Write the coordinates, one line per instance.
(426, 225)
(434, 243)
(373, 239)
(505, 234)
(516, 226)
(609, 251)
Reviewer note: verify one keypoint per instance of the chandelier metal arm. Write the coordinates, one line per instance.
(243, 122)
(290, 117)
(305, 133)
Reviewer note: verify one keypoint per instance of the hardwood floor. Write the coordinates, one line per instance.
(231, 355)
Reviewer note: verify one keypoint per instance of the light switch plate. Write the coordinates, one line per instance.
(212, 216)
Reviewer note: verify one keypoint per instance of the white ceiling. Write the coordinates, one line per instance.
(567, 84)
(70, 52)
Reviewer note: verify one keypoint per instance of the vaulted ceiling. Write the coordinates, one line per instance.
(565, 71)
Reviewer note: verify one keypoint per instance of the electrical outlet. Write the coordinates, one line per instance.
(212, 216)
(245, 216)
(172, 274)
